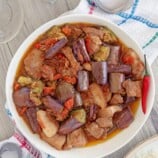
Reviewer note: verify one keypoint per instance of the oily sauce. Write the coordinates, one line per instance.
(134, 107)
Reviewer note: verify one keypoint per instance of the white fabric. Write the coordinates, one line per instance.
(142, 24)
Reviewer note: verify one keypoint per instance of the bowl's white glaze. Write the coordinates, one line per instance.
(96, 151)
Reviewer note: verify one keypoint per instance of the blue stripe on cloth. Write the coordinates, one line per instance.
(128, 16)
(140, 19)
(145, 21)
(48, 156)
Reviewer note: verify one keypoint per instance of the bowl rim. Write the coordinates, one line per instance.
(40, 31)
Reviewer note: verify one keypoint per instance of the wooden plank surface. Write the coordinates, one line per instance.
(37, 12)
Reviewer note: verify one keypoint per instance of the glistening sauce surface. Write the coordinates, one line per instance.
(134, 108)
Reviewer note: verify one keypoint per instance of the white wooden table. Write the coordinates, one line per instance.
(37, 12)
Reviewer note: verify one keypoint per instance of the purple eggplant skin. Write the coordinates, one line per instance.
(55, 48)
(21, 97)
(114, 55)
(76, 52)
(99, 71)
(123, 118)
(122, 68)
(83, 49)
(116, 80)
(78, 99)
(52, 104)
(69, 125)
(83, 81)
(64, 91)
(32, 119)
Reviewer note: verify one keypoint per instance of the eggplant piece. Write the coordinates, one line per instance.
(77, 52)
(77, 119)
(99, 71)
(102, 54)
(21, 97)
(83, 81)
(52, 104)
(70, 125)
(78, 99)
(32, 119)
(128, 100)
(114, 55)
(83, 49)
(64, 91)
(79, 115)
(92, 112)
(124, 118)
(123, 68)
(55, 48)
(116, 80)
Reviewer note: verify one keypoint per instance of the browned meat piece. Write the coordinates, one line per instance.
(116, 99)
(48, 72)
(116, 80)
(64, 91)
(52, 104)
(32, 119)
(69, 125)
(109, 111)
(67, 51)
(94, 31)
(131, 57)
(105, 122)
(76, 32)
(94, 130)
(123, 68)
(98, 95)
(133, 88)
(107, 93)
(33, 63)
(87, 98)
(83, 81)
(114, 55)
(22, 97)
(56, 141)
(55, 48)
(123, 118)
(137, 69)
(93, 44)
(76, 139)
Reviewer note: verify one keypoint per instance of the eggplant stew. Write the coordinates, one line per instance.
(76, 84)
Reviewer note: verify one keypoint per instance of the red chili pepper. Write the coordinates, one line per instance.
(145, 88)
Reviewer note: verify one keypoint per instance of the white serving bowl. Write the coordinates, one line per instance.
(99, 150)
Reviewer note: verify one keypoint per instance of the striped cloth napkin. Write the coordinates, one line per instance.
(140, 22)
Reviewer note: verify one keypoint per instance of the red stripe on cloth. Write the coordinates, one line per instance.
(91, 9)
